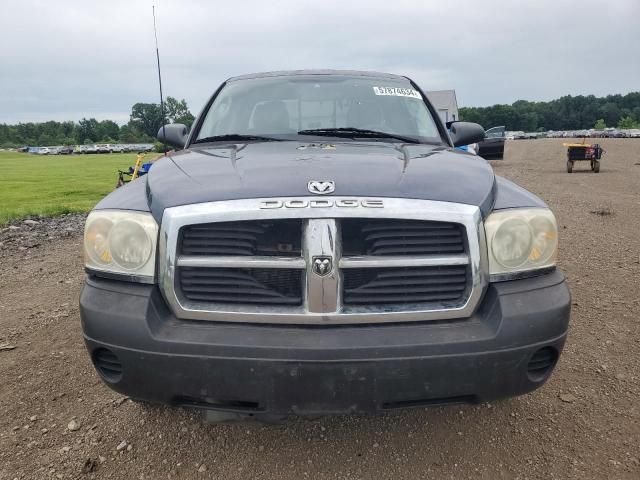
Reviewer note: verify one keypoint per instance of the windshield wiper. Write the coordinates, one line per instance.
(356, 132)
(235, 137)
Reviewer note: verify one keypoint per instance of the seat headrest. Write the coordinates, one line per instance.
(271, 117)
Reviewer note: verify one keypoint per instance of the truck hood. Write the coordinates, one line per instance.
(283, 169)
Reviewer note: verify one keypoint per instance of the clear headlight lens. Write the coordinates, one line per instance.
(521, 239)
(121, 242)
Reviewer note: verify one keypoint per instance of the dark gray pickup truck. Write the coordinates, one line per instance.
(318, 246)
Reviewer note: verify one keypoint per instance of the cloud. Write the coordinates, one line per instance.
(73, 58)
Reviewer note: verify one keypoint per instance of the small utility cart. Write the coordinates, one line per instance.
(577, 152)
(139, 169)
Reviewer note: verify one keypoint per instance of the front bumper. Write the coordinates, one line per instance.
(281, 370)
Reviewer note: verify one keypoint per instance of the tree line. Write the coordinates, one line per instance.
(565, 113)
(143, 125)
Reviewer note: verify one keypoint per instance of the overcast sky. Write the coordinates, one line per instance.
(68, 59)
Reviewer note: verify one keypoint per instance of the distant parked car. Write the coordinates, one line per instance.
(54, 150)
(634, 133)
(141, 147)
(117, 148)
(66, 150)
(44, 151)
(492, 147)
(103, 148)
(90, 149)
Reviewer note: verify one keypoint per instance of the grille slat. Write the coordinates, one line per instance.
(247, 238)
(409, 233)
(418, 281)
(235, 228)
(257, 289)
(242, 300)
(407, 250)
(404, 285)
(195, 243)
(382, 289)
(209, 233)
(204, 251)
(193, 284)
(406, 225)
(401, 237)
(241, 286)
(419, 240)
(394, 299)
(207, 274)
(428, 272)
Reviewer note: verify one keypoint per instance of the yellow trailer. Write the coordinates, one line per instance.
(577, 152)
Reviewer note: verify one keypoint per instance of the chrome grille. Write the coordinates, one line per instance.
(391, 260)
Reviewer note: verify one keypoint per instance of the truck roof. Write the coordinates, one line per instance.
(288, 73)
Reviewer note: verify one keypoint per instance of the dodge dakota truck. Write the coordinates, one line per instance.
(316, 245)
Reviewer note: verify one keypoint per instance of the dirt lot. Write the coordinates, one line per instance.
(59, 421)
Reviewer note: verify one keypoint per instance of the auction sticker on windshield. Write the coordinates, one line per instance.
(397, 92)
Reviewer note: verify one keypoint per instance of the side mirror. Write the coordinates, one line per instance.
(466, 133)
(175, 134)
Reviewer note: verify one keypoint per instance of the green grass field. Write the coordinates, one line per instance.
(42, 185)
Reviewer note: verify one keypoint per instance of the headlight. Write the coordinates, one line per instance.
(121, 242)
(521, 240)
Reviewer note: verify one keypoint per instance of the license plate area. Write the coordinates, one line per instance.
(325, 389)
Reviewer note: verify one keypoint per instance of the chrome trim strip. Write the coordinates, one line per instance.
(403, 261)
(251, 209)
(240, 262)
(320, 239)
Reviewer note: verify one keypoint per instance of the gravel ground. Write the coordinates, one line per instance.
(59, 421)
(23, 235)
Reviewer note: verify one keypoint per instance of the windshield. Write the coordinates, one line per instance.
(280, 107)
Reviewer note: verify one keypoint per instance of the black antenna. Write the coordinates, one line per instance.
(155, 33)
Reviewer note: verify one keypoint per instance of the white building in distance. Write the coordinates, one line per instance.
(445, 102)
